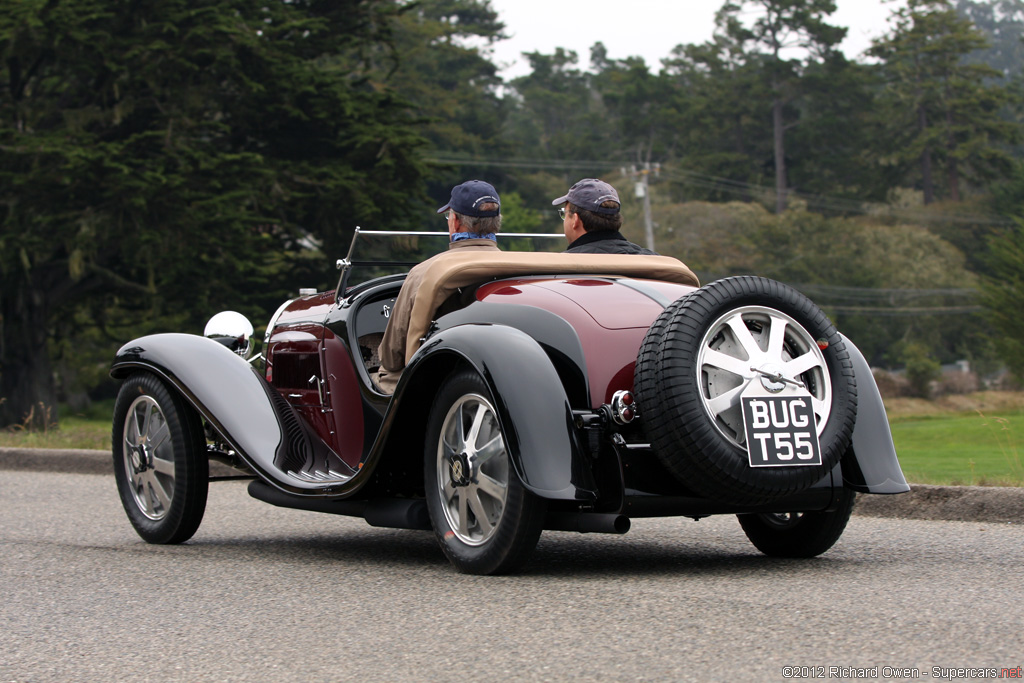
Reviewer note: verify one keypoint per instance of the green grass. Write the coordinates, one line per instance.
(89, 430)
(970, 449)
(936, 444)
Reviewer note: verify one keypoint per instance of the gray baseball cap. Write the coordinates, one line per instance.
(588, 194)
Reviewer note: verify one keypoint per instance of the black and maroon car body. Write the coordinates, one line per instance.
(570, 400)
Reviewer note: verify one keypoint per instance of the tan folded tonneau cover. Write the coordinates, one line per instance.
(452, 270)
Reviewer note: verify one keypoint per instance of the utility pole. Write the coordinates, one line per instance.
(642, 191)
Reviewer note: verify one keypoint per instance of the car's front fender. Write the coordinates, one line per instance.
(871, 465)
(534, 412)
(225, 389)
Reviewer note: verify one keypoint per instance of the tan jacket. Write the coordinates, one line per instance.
(393, 347)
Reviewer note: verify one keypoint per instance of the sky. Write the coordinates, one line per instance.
(645, 28)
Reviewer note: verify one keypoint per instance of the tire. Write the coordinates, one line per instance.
(798, 534)
(741, 323)
(160, 461)
(485, 520)
(646, 373)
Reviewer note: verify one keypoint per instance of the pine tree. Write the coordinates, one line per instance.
(942, 113)
(156, 159)
(784, 38)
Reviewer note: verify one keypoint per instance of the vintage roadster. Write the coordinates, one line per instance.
(543, 391)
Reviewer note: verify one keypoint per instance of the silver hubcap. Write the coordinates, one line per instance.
(762, 345)
(149, 458)
(472, 470)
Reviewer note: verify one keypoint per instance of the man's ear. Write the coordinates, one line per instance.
(576, 223)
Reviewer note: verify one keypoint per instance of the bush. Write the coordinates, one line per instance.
(957, 382)
(891, 385)
(921, 369)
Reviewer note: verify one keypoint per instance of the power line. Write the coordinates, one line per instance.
(903, 312)
(733, 187)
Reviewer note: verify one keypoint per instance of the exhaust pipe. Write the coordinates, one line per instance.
(395, 513)
(587, 522)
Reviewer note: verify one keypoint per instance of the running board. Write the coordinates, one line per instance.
(395, 513)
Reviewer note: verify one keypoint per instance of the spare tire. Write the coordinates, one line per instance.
(733, 338)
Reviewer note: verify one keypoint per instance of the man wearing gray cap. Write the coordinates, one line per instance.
(474, 217)
(591, 220)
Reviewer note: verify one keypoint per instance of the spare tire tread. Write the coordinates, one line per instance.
(646, 377)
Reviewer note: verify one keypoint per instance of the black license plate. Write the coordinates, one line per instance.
(781, 431)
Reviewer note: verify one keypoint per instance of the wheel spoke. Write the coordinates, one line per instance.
(492, 487)
(821, 410)
(463, 514)
(776, 338)
(449, 448)
(723, 402)
(158, 490)
(481, 515)
(147, 417)
(163, 466)
(744, 338)
(460, 433)
(447, 489)
(726, 362)
(158, 437)
(146, 494)
(801, 364)
(478, 421)
(131, 429)
(495, 446)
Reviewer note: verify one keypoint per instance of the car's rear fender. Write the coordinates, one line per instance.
(870, 466)
(528, 396)
(229, 393)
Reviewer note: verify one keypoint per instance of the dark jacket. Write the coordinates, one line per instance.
(605, 242)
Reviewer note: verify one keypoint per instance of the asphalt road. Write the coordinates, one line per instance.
(267, 594)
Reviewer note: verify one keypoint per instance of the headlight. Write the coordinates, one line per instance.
(233, 330)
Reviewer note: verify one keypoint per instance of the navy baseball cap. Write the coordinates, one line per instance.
(588, 194)
(467, 198)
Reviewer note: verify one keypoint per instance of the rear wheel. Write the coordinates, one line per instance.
(485, 520)
(798, 534)
(160, 461)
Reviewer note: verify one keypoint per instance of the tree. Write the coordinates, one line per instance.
(153, 154)
(1002, 24)
(830, 148)
(719, 98)
(1003, 290)
(883, 285)
(557, 113)
(642, 120)
(940, 109)
(440, 64)
(784, 38)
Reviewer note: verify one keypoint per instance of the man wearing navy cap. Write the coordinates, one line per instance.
(591, 220)
(474, 217)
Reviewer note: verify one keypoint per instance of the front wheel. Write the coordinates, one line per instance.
(798, 534)
(485, 520)
(160, 461)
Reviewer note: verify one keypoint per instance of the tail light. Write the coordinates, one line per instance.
(623, 407)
